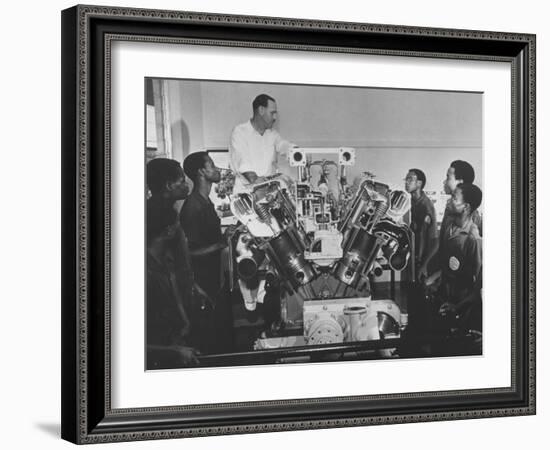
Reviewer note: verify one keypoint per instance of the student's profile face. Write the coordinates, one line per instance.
(411, 182)
(269, 113)
(450, 183)
(179, 189)
(457, 202)
(210, 171)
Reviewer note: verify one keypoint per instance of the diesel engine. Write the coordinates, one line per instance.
(319, 241)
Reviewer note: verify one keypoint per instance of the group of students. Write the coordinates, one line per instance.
(186, 311)
(451, 260)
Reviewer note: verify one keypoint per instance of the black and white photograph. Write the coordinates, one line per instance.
(295, 223)
(274, 222)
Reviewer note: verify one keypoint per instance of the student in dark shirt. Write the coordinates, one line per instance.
(459, 172)
(167, 184)
(202, 226)
(423, 221)
(201, 223)
(460, 256)
(167, 323)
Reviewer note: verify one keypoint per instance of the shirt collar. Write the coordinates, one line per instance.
(466, 228)
(420, 197)
(199, 196)
(253, 130)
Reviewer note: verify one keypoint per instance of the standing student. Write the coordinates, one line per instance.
(460, 256)
(459, 172)
(423, 221)
(167, 184)
(167, 323)
(202, 227)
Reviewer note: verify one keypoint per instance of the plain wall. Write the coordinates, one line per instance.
(392, 130)
(184, 105)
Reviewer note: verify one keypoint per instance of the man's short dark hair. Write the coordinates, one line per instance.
(420, 176)
(160, 215)
(463, 171)
(471, 194)
(261, 100)
(193, 163)
(161, 171)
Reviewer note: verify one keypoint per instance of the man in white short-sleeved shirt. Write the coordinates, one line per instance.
(255, 144)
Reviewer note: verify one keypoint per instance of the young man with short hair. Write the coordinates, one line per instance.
(167, 184)
(201, 223)
(167, 322)
(166, 181)
(423, 221)
(202, 227)
(460, 256)
(459, 172)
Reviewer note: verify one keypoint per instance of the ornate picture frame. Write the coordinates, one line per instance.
(88, 33)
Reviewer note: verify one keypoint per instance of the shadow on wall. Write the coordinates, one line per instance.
(181, 140)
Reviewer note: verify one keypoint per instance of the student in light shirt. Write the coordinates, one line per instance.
(255, 144)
